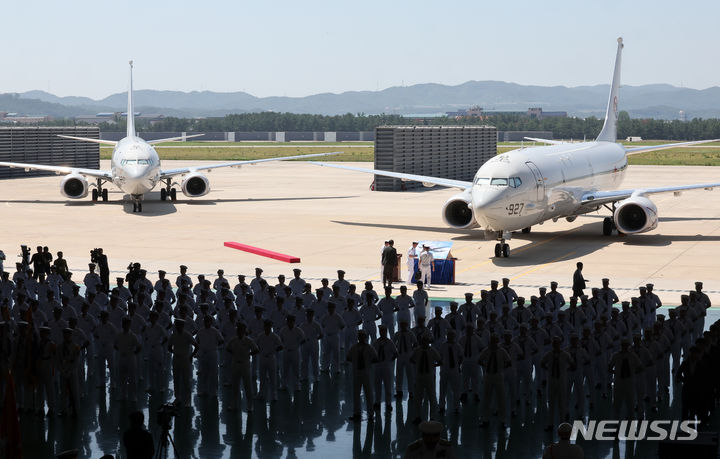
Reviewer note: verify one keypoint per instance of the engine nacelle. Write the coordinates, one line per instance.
(457, 212)
(74, 186)
(636, 214)
(195, 185)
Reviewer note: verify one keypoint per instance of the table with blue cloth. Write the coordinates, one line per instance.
(444, 273)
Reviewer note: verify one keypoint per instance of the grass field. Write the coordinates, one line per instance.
(704, 155)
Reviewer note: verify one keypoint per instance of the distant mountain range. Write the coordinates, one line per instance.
(654, 101)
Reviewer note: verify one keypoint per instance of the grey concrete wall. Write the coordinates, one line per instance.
(41, 145)
(454, 152)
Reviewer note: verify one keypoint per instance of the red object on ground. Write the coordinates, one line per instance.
(263, 252)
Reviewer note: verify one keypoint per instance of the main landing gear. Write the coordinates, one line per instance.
(168, 191)
(609, 223)
(137, 203)
(99, 192)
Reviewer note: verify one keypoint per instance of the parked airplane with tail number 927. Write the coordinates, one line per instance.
(135, 168)
(525, 187)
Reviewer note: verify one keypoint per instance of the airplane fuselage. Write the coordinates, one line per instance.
(135, 166)
(524, 187)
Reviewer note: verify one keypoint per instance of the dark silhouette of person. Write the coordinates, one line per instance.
(389, 263)
(38, 262)
(102, 263)
(579, 282)
(138, 441)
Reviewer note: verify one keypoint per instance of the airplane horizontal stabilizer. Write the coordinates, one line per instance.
(547, 141)
(172, 139)
(87, 139)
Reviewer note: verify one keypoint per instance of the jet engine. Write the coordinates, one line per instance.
(195, 185)
(457, 212)
(74, 186)
(636, 214)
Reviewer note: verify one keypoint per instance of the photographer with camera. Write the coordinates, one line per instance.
(138, 442)
(100, 259)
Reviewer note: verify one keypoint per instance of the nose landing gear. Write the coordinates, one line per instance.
(502, 250)
(137, 203)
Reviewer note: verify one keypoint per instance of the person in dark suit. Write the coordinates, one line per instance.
(389, 263)
(579, 282)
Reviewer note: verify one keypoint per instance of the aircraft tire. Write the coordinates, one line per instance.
(139, 206)
(607, 226)
(163, 194)
(498, 250)
(505, 250)
(104, 194)
(527, 230)
(173, 194)
(94, 195)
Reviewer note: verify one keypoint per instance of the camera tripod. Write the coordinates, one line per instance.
(165, 439)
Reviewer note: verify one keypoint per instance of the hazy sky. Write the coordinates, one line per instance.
(295, 48)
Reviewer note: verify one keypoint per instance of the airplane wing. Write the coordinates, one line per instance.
(547, 141)
(85, 139)
(62, 170)
(172, 139)
(636, 150)
(187, 170)
(607, 197)
(450, 183)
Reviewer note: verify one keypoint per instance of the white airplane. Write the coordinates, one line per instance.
(135, 168)
(525, 187)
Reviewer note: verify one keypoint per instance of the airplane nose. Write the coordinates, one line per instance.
(487, 202)
(136, 172)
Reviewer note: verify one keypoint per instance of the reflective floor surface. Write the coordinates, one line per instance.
(313, 423)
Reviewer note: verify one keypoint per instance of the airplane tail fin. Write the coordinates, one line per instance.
(609, 130)
(130, 107)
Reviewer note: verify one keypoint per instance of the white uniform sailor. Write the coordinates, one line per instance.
(309, 350)
(292, 339)
(421, 300)
(412, 255)
(127, 346)
(241, 348)
(426, 266)
(332, 325)
(269, 345)
(105, 334)
(452, 359)
(155, 338)
(209, 339)
(386, 355)
(405, 343)
(362, 356)
(183, 347)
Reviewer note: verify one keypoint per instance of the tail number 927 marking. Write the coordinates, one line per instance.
(515, 209)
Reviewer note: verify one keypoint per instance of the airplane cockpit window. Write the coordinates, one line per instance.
(499, 182)
(482, 181)
(515, 182)
(140, 162)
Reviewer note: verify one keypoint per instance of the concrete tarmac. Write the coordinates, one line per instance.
(331, 220)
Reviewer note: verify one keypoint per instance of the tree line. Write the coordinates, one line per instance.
(561, 127)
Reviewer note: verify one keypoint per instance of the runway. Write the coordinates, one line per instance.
(331, 220)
